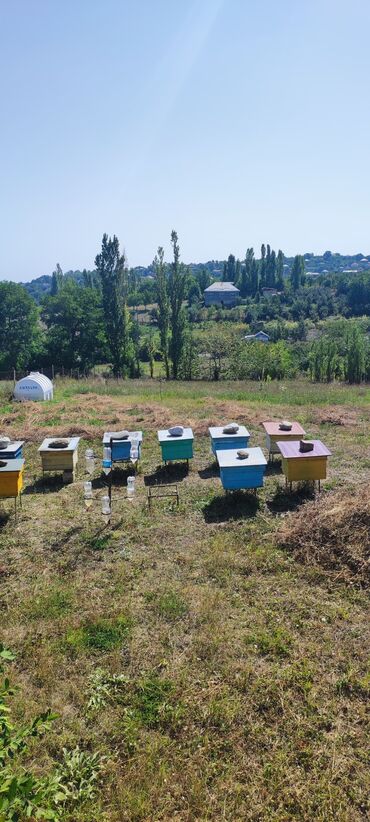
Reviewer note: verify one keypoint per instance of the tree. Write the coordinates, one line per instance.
(56, 280)
(204, 279)
(231, 269)
(163, 314)
(110, 265)
(177, 289)
(20, 336)
(297, 274)
(280, 271)
(262, 267)
(355, 355)
(74, 319)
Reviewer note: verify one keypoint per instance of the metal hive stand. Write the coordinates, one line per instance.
(173, 493)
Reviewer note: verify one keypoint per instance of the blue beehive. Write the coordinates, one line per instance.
(237, 473)
(121, 448)
(224, 442)
(12, 451)
(176, 447)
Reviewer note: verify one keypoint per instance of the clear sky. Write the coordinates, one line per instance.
(234, 121)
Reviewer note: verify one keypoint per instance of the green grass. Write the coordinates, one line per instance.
(99, 635)
(217, 677)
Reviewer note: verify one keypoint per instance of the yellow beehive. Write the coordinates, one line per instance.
(11, 477)
(301, 466)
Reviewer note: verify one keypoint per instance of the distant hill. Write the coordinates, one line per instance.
(315, 264)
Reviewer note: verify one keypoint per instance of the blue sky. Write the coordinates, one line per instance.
(234, 121)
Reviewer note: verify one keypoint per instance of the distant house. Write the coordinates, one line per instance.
(260, 336)
(221, 293)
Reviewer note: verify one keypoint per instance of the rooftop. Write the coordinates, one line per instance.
(222, 286)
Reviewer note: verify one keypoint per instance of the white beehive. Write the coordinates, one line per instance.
(34, 387)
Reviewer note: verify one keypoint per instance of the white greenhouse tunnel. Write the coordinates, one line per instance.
(34, 387)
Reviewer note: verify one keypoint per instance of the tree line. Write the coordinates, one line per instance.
(81, 325)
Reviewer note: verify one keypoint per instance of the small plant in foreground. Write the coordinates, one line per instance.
(103, 687)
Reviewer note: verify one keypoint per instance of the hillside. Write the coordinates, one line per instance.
(319, 264)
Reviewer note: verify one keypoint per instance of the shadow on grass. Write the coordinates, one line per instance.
(172, 472)
(119, 478)
(4, 517)
(45, 485)
(210, 472)
(231, 506)
(273, 468)
(65, 539)
(285, 500)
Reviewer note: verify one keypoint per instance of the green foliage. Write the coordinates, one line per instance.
(297, 274)
(177, 283)
(78, 775)
(75, 323)
(100, 635)
(111, 268)
(19, 334)
(163, 314)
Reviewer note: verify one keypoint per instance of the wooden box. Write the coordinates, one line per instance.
(60, 459)
(176, 448)
(275, 434)
(11, 477)
(225, 442)
(121, 448)
(237, 473)
(301, 466)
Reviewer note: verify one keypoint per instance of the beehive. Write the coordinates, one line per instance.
(236, 473)
(121, 448)
(301, 466)
(176, 448)
(275, 434)
(11, 477)
(60, 459)
(224, 442)
(13, 451)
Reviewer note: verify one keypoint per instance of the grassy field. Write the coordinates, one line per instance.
(216, 677)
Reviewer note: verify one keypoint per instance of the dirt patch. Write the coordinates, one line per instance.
(335, 415)
(333, 532)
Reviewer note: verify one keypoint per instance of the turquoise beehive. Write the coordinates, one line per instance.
(176, 447)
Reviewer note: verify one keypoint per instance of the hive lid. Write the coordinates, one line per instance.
(12, 446)
(11, 466)
(230, 458)
(273, 429)
(72, 444)
(217, 432)
(290, 450)
(165, 436)
(112, 435)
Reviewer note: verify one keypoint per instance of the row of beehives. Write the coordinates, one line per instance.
(240, 465)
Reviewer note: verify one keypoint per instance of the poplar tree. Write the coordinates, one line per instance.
(280, 270)
(262, 266)
(163, 314)
(297, 274)
(177, 289)
(111, 268)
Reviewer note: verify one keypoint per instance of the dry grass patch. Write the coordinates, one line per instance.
(333, 532)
